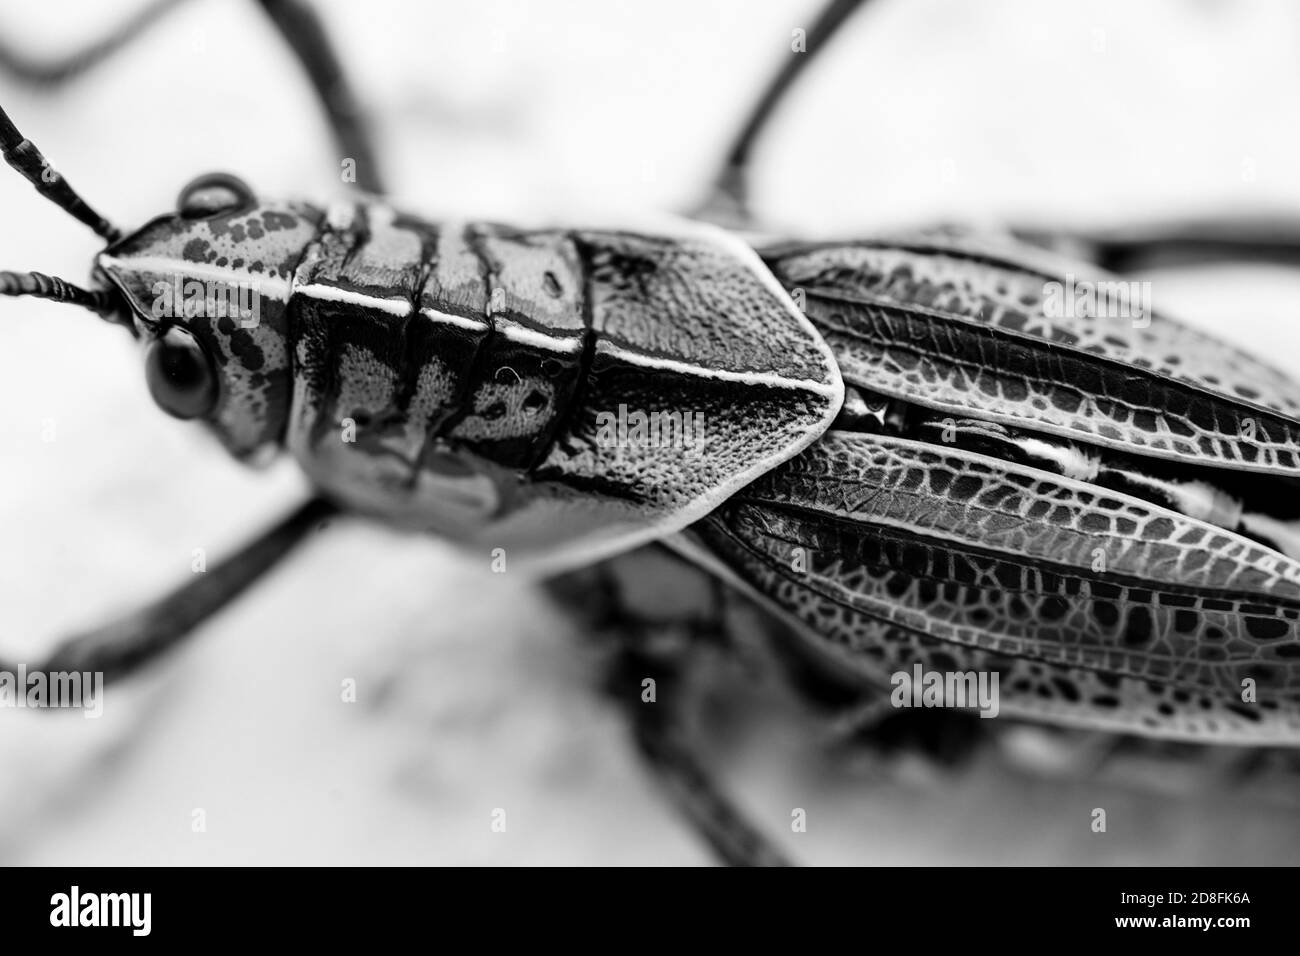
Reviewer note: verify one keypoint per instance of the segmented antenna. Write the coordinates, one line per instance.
(57, 290)
(21, 153)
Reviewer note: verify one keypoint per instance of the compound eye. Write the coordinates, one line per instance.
(213, 193)
(181, 377)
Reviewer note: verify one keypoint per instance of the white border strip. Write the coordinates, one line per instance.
(833, 389)
(270, 287)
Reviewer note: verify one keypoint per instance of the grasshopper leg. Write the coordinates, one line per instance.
(679, 771)
(1126, 249)
(1140, 248)
(300, 28)
(662, 616)
(728, 201)
(59, 70)
(305, 34)
(141, 637)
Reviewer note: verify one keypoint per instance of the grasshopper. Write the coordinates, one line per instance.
(934, 464)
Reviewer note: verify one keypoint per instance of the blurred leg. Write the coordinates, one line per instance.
(657, 730)
(658, 614)
(303, 31)
(1138, 248)
(1125, 248)
(296, 22)
(122, 646)
(59, 70)
(728, 202)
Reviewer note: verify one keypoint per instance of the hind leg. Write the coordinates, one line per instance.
(662, 617)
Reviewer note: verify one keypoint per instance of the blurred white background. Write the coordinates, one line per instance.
(474, 693)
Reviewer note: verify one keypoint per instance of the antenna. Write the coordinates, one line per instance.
(21, 153)
(55, 289)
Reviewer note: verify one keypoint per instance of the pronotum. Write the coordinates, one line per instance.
(916, 455)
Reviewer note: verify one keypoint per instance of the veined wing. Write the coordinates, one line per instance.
(1093, 607)
(1015, 338)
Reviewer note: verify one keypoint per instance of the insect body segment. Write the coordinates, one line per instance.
(475, 380)
(480, 377)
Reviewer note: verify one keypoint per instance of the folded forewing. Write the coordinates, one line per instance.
(1028, 343)
(1092, 607)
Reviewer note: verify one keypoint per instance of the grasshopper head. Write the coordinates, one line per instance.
(206, 288)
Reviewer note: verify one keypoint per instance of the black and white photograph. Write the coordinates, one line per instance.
(690, 433)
